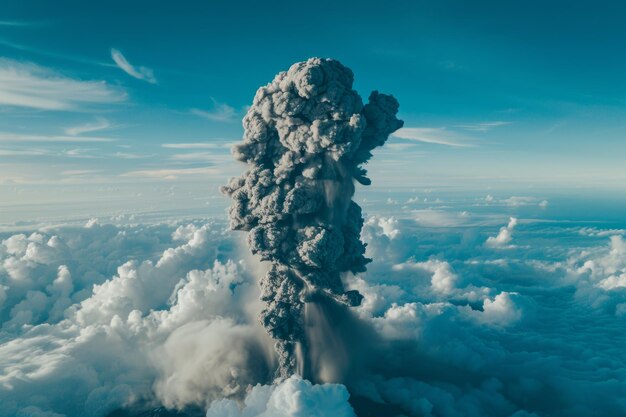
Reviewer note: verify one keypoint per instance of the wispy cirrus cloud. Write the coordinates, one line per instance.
(100, 124)
(79, 172)
(32, 86)
(18, 137)
(171, 174)
(47, 152)
(141, 73)
(53, 54)
(482, 127)
(193, 157)
(400, 146)
(70, 153)
(220, 112)
(198, 145)
(130, 155)
(449, 136)
(14, 23)
(12, 152)
(434, 135)
(83, 153)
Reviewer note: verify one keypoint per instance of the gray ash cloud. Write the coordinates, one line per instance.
(307, 135)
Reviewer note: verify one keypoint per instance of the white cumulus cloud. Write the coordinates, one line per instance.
(504, 236)
(294, 397)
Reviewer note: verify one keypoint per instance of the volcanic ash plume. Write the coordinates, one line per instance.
(306, 136)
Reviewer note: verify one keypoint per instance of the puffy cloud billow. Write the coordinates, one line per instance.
(90, 334)
(504, 236)
(534, 333)
(293, 397)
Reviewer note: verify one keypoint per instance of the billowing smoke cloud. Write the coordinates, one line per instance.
(307, 134)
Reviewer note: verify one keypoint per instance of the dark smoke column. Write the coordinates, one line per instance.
(306, 136)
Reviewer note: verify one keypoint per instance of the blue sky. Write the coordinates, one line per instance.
(117, 105)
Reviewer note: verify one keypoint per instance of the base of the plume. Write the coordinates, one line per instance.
(287, 359)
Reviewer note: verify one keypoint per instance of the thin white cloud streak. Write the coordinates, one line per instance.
(141, 73)
(517, 201)
(433, 135)
(221, 112)
(10, 152)
(483, 127)
(13, 23)
(128, 155)
(31, 86)
(200, 156)
(18, 137)
(400, 146)
(79, 172)
(197, 145)
(100, 124)
(78, 153)
(170, 174)
(48, 53)
(68, 153)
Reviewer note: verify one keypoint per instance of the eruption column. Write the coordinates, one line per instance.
(306, 136)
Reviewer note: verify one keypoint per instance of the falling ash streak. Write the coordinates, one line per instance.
(306, 136)
(327, 357)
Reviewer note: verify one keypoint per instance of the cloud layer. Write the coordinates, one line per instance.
(104, 317)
